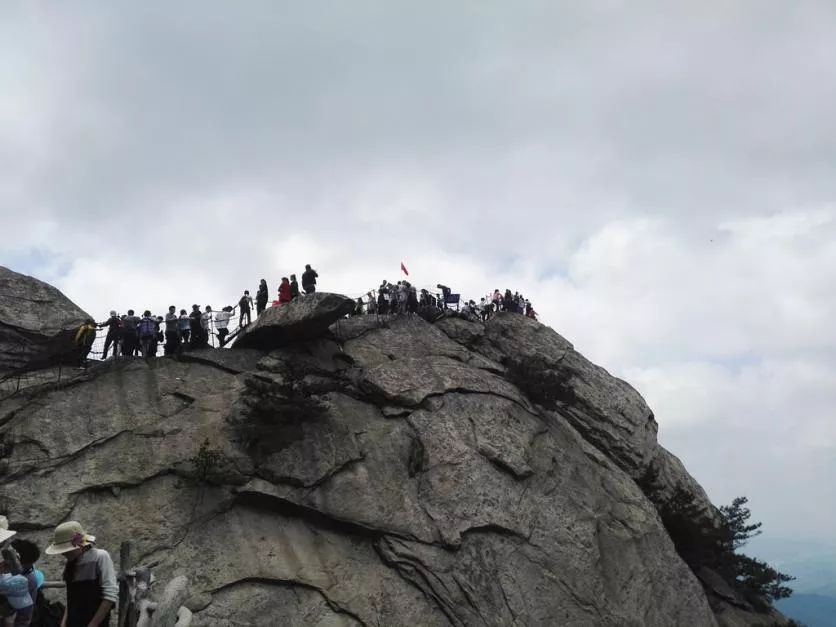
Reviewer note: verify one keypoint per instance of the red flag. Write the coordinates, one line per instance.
(404, 270)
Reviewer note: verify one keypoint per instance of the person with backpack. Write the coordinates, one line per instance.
(114, 334)
(309, 277)
(130, 340)
(245, 304)
(84, 338)
(147, 334)
(261, 297)
(92, 590)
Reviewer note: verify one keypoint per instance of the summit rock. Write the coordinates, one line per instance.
(369, 471)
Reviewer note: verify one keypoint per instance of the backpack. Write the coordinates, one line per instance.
(47, 613)
(244, 303)
(147, 327)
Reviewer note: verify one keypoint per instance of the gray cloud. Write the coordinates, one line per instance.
(657, 178)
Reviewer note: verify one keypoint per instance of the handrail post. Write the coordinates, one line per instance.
(124, 595)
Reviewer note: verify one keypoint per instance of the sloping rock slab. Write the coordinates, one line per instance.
(37, 322)
(302, 319)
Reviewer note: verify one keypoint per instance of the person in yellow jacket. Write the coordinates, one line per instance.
(84, 338)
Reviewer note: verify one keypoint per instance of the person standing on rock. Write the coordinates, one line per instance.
(194, 325)
(294, 287)
(285, 295)
(114, 334)
(222, 323)
(147, 334)
(245, 305)
(84, 338)
(309, 277)
(206, 324)
(185, 327)
(261, 297)
(172, 331)
(130, 339)
(92, 591)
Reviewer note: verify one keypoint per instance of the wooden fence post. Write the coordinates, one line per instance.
(124, 595)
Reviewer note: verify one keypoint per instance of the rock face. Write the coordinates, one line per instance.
(37, 321)
(383, 472)
(301, 319)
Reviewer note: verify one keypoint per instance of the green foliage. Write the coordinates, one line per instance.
(703, 543)
(736, 517)
(207, 462)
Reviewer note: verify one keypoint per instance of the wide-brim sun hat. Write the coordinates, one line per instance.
(67, 537)
(5, 532)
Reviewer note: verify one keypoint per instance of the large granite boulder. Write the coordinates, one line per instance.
(608, 412)
(37, 322)
(301, 319)
(386, 471)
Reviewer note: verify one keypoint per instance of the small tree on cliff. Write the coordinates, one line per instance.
(702, 543)
(752, 577)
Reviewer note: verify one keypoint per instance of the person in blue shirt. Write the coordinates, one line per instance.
(13, 586)
(28, 552)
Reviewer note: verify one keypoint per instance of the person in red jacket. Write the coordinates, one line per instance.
(285, 295)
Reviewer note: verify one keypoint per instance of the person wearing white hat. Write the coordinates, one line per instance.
(92, 590)
(14, 587)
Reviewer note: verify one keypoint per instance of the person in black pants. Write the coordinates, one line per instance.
(114, 334)
(130, 339)
(309, 279)
(245, 304)
(196, 329)
(261, 297)
(172, 331)
(294, 287)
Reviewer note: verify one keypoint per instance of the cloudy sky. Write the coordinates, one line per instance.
(657, 177)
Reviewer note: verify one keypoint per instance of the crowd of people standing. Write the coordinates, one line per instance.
(133, 335)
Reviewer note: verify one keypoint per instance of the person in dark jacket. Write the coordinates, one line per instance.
(196, 328)
(114, 334)
(261, 297)
(172, 331)
(130, 338)
(294, 286)
(245, 305)
(309, 279)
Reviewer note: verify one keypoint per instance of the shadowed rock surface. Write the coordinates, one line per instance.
(383, 472)
(36, 321)
(301, 319)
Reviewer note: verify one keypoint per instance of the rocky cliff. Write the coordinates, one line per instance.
(379, 472)
(37, 322)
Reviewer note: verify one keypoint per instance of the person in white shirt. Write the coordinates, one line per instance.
(206, 323)
(222, 323)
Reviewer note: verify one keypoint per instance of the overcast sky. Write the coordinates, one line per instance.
(656, 177)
